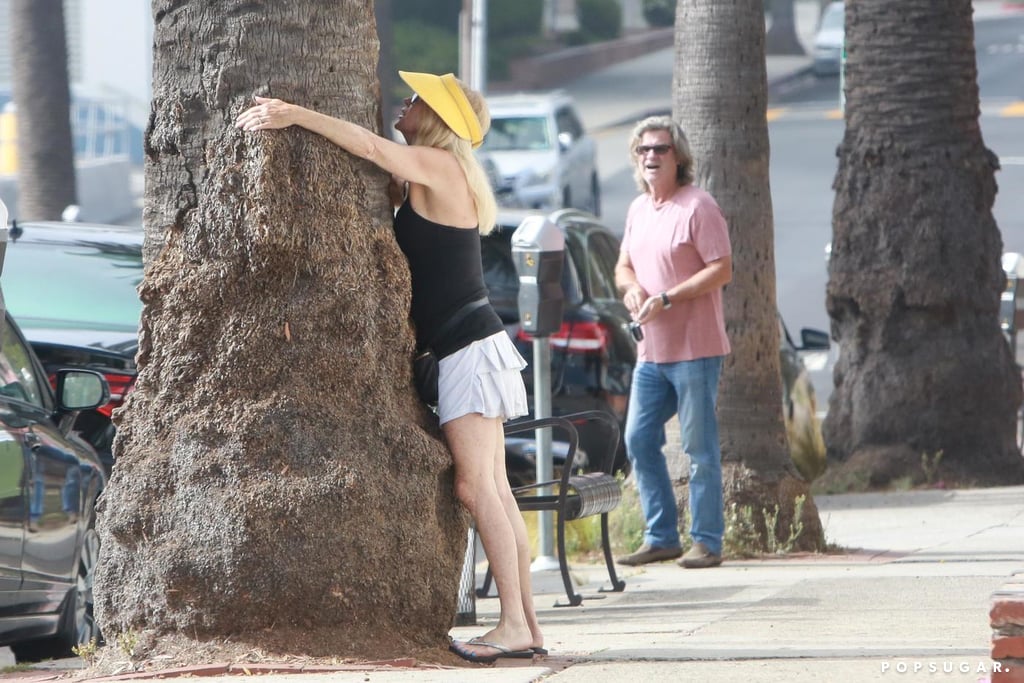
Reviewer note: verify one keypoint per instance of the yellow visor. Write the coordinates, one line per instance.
(444, 95)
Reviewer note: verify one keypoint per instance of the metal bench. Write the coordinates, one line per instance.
(572, 496)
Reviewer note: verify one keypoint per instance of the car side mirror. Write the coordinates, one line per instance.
(814, 340)
(81, 390)
(565, 141)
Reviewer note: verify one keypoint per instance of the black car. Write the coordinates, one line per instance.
(593, 354)
(49, 482)
(85, 312)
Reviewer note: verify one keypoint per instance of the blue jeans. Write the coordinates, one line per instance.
(661, 390)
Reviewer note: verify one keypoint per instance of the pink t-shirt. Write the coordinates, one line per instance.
(667, 245)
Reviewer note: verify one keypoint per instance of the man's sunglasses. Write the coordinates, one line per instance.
(412, 100)
(657, 149)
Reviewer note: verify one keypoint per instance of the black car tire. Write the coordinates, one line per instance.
(77, 621)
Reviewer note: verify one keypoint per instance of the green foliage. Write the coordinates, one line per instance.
(514, 19)
(599, 20)
(626, 522)
(127, 642)
(425, 36)
(930, 466)
(15, 668)
(422, 47)
(443, 14)
(513, 31)
(660, 12)
(87, 651)
(743, 537)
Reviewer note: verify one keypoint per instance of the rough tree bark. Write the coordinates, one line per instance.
(277, 482)
(720, 97)
(42, 100)
(925, 378)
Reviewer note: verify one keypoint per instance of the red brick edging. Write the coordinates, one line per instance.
(1007, 621)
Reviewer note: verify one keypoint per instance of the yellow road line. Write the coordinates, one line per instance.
(775, 112)
(1015, 109)
(834, 114)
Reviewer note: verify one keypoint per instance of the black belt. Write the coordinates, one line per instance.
(456, 318)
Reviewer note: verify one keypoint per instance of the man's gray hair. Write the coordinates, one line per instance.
(684, 167)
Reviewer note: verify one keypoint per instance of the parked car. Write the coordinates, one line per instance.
(85, 312)
(593, 354)
(543, 157)
(49, 483)
(828, 41)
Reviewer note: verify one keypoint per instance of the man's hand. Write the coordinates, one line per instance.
(635, 298)
(650, 309)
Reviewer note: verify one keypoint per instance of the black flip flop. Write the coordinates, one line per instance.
(502, 652)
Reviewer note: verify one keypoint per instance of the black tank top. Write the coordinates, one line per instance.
(446, 271)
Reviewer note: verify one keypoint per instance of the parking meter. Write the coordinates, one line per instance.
(1011, 302)
(538, 248)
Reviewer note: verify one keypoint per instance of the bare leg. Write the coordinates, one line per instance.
(522, 538)
(474, 441)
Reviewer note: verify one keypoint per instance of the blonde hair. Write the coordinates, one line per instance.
(433, 132)
(684, 158)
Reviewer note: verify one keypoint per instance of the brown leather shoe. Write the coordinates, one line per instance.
(646, 554)
(699, 557)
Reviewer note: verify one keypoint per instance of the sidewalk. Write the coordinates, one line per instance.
(910, 590)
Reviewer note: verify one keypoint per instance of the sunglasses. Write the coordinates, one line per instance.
(412, 100)
(657, 149)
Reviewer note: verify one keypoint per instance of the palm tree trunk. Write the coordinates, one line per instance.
(42, 100)
(277, 482)
(720, 98)
(925, 377)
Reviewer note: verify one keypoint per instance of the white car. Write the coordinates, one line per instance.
(543, 158)
(828, 42)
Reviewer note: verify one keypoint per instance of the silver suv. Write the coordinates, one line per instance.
(539, 156)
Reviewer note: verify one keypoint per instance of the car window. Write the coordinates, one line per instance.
(18, 377)
(518, 133)
(500, 274)
(86, 283)
(602, 255)
(502, 280)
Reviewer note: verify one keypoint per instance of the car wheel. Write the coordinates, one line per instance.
(77, 621)
(85, 627)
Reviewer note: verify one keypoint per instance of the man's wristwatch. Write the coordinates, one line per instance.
(666, 303)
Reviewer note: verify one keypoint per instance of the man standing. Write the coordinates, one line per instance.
(675, 260)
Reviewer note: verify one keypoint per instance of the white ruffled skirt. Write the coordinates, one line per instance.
(484, 377)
